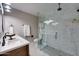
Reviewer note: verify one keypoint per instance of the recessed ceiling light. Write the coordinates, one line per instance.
(48, 21)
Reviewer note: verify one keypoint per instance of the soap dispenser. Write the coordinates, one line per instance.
(11, 29)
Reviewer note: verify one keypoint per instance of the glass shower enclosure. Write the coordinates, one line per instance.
(60, 35)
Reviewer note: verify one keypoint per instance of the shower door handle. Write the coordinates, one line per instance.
(56, 35)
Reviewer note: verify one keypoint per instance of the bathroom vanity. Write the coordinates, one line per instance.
(16, 47)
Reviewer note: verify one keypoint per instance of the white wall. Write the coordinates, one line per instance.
(18, 18)
(64, 40)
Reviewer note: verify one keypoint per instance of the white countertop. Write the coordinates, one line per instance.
(13, 44)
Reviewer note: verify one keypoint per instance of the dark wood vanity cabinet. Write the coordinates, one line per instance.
(22, 51)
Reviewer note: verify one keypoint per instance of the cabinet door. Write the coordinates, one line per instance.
(23, 51)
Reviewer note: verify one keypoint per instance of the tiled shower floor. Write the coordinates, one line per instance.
(54, 52)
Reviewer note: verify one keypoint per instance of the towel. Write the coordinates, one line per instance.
(27, 30)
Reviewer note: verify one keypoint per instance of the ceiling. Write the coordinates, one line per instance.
(34, 8)
(45, 8)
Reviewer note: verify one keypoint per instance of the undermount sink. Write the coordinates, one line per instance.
(13, 44)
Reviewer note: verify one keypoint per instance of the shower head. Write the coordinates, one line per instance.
(77, 10)
(59, 8)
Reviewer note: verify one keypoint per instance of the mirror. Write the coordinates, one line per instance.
(0, 23)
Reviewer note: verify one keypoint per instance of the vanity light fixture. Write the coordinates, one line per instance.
(4, 7)
(7, 7)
